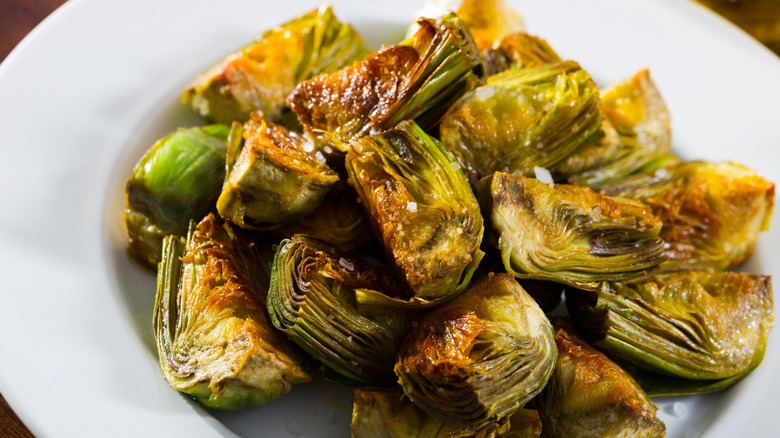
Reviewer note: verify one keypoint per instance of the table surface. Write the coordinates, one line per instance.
(19, 17)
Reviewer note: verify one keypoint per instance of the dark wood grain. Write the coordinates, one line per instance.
(17, 19)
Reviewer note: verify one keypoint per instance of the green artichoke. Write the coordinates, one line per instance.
(260, 76)
(177, 180)
(312, 300)
(591, 396)
(690, 325)
(422, 208)
(570, 234)
(480, 357)
(417, 79)
(214, 338)
(523, 118)
(271, 177)
(712, 213)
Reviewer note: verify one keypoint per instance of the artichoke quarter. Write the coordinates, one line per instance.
(570, 234)
(591, 396)
(390, 414)
(271, 177)
(523, 118)
(177, 180)
(422, 208)
(312, 300)
(214, 338)
(690, 325)
(490, 20)
(261, 75)
(417, 79)
(481, 357)
(519, 49)
(712, 212)
(638, 135)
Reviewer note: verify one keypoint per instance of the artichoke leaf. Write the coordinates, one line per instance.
(417, 79)
(214, 338)
(177, 180)
(389, 414)
(590, 395)
(690, 325)
(523, 118)
(421, 207)
(712, 213)
(480, 357)
(260, 76)
(312, 300)
(570, 234)
(271, 177)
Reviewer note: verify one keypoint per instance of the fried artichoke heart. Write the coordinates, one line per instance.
(214, 338)
(479, 358)
(260, 76)
(417, 79)
(422, 208)
(177, 180)
(570, 234)
(312, 300)
(712, 212)
(271, 176)
(691, 325)
(589, 395)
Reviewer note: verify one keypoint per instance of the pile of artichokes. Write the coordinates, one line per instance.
(406, 221)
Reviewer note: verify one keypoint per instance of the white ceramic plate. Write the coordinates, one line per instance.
(92, 87)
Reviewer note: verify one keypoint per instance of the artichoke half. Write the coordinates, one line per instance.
(390, 414)
(260, 76)
(417, 79)
(271, 177)
(591, 396)
(691, 325)
(570, 234)
(523, 118)
(312, 300)
(422, 208)
(214, 338)
(177, 180)
(480, 357)
(638, 127)
(712, 212)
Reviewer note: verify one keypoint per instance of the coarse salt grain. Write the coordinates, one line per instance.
(544, 176)
(679, 409)
(294, 428)
(411, 206)
(349, 266)
(484, 93)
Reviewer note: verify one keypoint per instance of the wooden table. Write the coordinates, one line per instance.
(17, 19)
